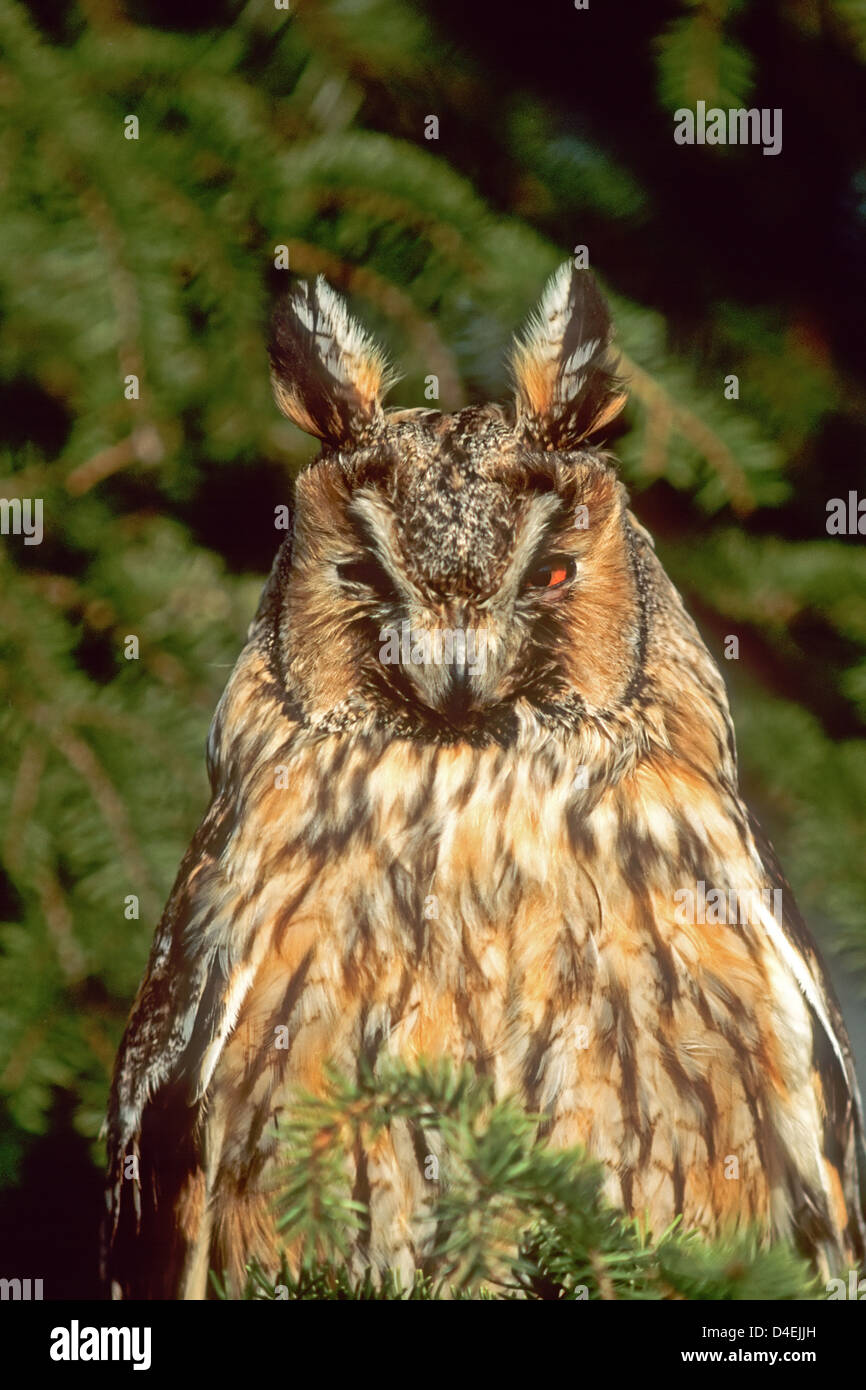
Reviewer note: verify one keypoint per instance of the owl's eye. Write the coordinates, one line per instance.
(368, 575)
(555, 573)
(359, 572)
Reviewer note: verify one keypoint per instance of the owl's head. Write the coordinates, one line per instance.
(454, 575)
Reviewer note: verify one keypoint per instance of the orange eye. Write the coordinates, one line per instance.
(558, 570)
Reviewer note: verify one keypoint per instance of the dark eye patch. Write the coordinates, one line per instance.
(367, 574)
(539, 481)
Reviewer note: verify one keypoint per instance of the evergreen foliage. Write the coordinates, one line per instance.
(513, 1219)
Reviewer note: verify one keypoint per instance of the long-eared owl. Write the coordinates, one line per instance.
(470, 681)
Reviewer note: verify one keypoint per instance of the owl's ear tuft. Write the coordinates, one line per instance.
(328, 374)
(563, 365)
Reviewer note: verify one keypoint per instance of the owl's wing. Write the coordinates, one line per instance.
(843, 1140)
(185, 1008)
(202, 963)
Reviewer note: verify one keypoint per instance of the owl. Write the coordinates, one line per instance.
(474, 796)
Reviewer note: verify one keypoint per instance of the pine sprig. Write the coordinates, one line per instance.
(508, 1216)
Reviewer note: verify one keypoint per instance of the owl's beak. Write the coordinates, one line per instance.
(458, 695)
(446, 661)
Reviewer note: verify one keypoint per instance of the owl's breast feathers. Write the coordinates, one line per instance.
(540, 908)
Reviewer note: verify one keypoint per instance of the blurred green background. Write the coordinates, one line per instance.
(260, 127)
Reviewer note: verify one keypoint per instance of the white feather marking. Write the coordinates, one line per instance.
(581, 355)
(345, 348)
(546, 326)
(234, 999)
(801, 975)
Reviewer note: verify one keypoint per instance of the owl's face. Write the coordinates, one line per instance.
(456, 574)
